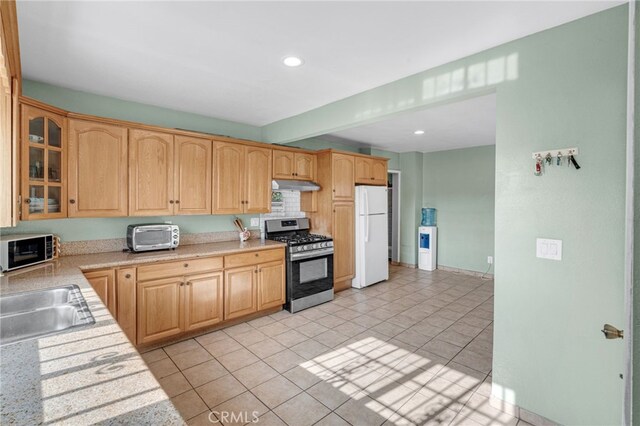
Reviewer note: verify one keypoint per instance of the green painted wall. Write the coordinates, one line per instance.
(460, 184)
(411, 181)
(88, 229)
(561, 87)
(636, 272)
(317, 144)
(104, 106)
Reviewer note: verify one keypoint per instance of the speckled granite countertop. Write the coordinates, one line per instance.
(91, 374)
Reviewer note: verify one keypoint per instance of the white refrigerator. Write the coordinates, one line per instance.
(372, 248)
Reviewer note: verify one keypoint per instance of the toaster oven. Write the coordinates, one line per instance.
(152, 236)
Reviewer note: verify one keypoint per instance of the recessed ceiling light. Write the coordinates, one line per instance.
(292, 61)
(419, 132)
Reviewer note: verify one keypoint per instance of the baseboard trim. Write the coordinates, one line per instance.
(465, 272)
(521, 413)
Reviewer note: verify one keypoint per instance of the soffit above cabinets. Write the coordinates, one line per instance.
(224, 59)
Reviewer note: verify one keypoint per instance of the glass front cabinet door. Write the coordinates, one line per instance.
(44, 160)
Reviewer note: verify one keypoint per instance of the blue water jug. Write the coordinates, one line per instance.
(428, 216)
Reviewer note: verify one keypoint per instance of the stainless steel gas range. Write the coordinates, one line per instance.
(309, 262)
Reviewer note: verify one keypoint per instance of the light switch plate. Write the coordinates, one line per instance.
(255, 221)
(548, 249)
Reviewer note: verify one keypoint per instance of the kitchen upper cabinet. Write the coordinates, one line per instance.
(242, 179)
(343, 171)
(343, 241)
(293, 165)
(104, 284)
(126, 301)
(203, 300)
(271, 285)
(240, 297)
(160, 309)
(371, 171)
(228, 180)
(192, 167)
(258, 180)
(98, 172)
(44, 164)
(151, 172)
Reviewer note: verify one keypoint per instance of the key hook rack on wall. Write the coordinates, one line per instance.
(555, 157)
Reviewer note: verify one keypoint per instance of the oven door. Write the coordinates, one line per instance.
(310, 274)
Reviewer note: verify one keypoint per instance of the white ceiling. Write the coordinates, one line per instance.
(223, 59)
(456, 125)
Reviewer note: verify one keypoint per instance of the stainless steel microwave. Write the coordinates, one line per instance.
(152, 236)
(18, 251)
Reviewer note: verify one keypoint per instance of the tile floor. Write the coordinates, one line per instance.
(414, 350)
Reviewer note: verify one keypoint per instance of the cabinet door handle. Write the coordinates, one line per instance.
(186, 265)
(257, 254)
(178, 201)
(72, 201)
(127, 276)
(188, 282)
(181, 284)
(170, 201)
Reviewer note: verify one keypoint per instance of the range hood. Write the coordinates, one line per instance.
(294, 185)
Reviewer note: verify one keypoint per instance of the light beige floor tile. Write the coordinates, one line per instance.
(204, 373)
(261, 322)
(479, 362)
(239, 410)
(266, 348)
(205, 419)
(270, 419)
(362, 411)
(301, 410)
(163, 368)
(238, 359)
(331, 338)
(274, 329)
(184, 346)
(311, 329)
(480, 410)
(330, 321)
(290, 338)
(302, 377)
(350, 329)
(332, 419)
(207, 339)
(189, 404)
(388, 329)
(220, 390)
(188, 359)
(313, 313)
(461, 375)
(153, 356)
(174, 384)
(329, 395)
(250, 337)
(310, 349)
(284, 361)
(295, 321)
(442, 348)
(238, 329)
(276, 391)
(222, 347)
(255, 374)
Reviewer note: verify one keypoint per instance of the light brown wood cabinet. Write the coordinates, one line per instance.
(160, 309)
(98, 170)
(44, 164)
(126, 301)
(240, 297)
(169, 177)
(271, 285)
(203, 300)
(343, 241)
(242, 179)
(371, 171)
(343, 172)
(293, 165)
(151, 173)
(9, 167)
(104, 283)
(186, 302)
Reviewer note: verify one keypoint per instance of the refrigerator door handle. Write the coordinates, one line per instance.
(366, 215)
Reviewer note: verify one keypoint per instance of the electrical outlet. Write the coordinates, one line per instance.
(490, 260)
(255, 221)
(548, 249)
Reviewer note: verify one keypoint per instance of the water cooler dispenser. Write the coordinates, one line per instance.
(427, 241)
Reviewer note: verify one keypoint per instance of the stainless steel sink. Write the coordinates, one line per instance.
(39, 313)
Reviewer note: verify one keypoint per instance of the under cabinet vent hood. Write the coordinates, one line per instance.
(294, 185)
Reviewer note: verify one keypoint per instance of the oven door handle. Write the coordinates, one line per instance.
(315, 253)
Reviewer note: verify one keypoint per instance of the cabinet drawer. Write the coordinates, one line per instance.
(253, 258)
(179, 267)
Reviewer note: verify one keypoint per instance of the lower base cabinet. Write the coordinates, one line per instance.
(271, 289)
(240, 292)
(171, 306)
(126, 301)
(104, 284)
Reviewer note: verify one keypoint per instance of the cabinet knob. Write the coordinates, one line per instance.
(178, 201)
(181, 284)
(334, 190)
(170, 201)
(372, 178)
(255, 271)
(188, 282)
(27, 200)
(186, 265)
(127, 276)
(257, 254)
(72, 201)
